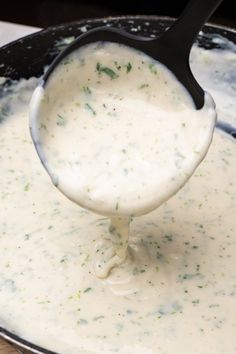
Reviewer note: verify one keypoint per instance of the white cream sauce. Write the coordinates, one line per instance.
(117, 132)
(175, 293)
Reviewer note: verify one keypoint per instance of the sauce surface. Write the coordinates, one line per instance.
(176, 292)
(117, 131)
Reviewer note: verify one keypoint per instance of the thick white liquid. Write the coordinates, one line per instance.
(119, 135)
(176, 293)
(117, 132)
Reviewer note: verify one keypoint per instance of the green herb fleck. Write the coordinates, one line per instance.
(128, 67)
(168, 238)
(98, 318)
(152, 68)
(90, 108)
(64, 259)
(143, 86)
(189, 276)
(26, 187)
(196, 302)
(61, 121)
(67, 61)
(43, 126)
(108, 71)
(87, 290)
(137, 271)
(118, 67)
(27, 236)
(87, 90)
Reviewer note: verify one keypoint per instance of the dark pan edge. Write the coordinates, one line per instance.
(21, 343)
(110, 18)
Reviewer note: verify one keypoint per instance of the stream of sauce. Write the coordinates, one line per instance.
(175, 293)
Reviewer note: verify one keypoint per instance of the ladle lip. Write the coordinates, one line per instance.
(159, 48)
(106, 34)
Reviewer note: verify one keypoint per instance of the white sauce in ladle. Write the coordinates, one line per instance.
(118, 134)
(116, 131)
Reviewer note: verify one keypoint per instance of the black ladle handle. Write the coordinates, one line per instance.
(185, 30)
(173, 47)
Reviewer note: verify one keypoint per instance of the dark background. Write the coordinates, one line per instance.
(43, 13)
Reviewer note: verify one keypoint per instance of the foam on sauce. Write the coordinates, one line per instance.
(177, 290)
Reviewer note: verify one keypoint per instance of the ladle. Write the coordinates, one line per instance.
(172, 48)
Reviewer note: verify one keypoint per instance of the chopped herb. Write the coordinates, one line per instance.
(129, 312)
(26, 187)
(128, 67)
(195, 302)
(168, 238)
(183, 277)
(143, 86)
(64, 259)
(152, 68)
(43, 126)
(98, 318)
(89, 108)
(108, 71)
(118, 67)
(61, 121)
(87, 90)
(87, 290)
(137, 270)
(27, 236)
(44, 302)
(67, 61)
(159, 255)
(214, 305)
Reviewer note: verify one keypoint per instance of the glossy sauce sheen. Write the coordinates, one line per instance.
(176, 293)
